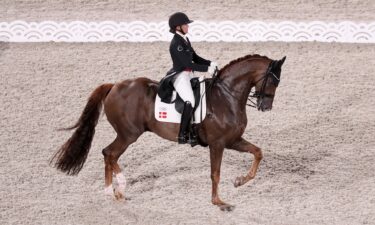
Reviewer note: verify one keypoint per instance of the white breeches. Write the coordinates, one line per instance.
(183, 86)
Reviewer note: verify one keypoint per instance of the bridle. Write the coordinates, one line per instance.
(261, 94)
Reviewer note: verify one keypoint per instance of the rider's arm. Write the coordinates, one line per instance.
(200, 60)
(185, 58)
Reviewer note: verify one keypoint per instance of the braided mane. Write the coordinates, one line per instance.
(239, 60)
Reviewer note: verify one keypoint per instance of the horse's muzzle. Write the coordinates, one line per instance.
(264, 104)
(265, 109)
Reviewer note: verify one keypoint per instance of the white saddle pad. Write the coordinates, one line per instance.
(167, 113)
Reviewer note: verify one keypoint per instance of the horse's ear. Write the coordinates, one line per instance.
(281, 62)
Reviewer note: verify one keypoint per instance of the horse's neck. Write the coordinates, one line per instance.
(237, 83)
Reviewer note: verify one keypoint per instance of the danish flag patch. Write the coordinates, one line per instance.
(163, 115)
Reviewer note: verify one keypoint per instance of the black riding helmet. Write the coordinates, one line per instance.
(178, 19)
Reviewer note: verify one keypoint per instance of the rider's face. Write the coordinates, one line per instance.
(185, 28)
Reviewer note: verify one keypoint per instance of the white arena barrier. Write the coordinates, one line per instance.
(226, 31)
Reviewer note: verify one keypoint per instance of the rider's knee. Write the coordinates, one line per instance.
(191, 102)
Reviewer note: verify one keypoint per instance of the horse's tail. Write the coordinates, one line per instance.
(72, 155)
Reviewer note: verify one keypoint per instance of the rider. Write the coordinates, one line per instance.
(185, 62)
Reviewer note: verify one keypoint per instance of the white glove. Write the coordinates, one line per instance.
(214, 64)
(211, 69)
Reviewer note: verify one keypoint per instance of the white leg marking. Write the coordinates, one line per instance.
(121, 181)
(108, 190)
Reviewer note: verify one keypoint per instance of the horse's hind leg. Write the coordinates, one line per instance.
(244, 146)
(111, 155)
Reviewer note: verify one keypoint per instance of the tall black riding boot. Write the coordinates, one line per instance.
(183, 135)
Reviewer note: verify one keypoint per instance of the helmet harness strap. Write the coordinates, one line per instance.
(181, 30)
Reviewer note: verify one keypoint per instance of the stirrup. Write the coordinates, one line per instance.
(193, 141)
(193, 136)
(182, 139)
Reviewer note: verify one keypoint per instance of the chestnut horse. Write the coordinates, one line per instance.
(129, 107)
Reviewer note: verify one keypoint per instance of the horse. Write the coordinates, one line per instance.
(129, 108)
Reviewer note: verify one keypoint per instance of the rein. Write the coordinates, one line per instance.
(215, 78)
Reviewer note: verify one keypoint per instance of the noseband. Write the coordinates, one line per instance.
(261, 93)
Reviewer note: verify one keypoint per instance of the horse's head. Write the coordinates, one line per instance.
(266, 84)
(243, 74)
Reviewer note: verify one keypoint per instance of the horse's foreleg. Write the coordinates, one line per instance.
(245, 146)
(216, 155)
(111, 156)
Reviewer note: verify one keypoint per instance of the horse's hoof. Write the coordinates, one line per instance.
(119, 195)
(227, 208)
(239, 181)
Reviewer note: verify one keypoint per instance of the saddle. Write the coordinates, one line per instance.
(169, 105)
